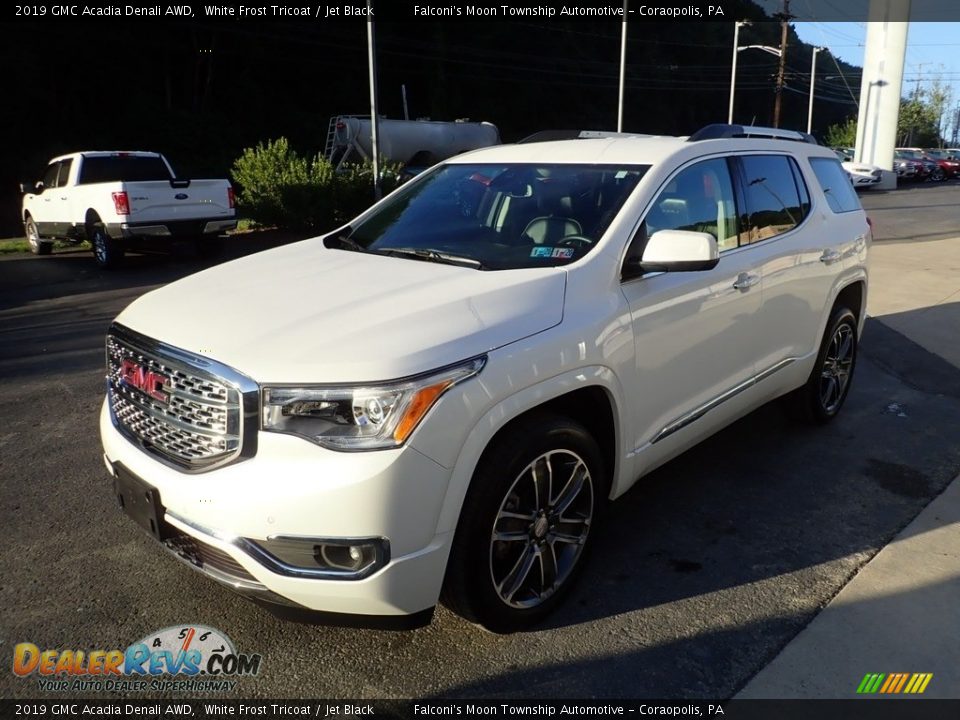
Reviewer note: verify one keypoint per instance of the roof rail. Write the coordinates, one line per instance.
(547, 135)
(721, 130)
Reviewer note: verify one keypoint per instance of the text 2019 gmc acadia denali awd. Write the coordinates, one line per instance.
(441, 396)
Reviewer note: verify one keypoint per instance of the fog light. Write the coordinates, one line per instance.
(331, 558)
(344, 557)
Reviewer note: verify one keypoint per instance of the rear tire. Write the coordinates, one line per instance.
(526, 524)
(37, 246)
(820, 400)
(107, 252)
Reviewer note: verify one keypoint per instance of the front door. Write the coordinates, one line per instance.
(693, 330)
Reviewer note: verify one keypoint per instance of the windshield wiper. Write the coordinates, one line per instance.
(434, 256)
(345, 242)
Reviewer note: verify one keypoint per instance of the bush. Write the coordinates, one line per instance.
(278, 187)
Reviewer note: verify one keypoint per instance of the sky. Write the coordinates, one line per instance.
(933, 42)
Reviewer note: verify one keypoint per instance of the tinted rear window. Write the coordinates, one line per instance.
(775, 205)
(128, 168)
(837, 188)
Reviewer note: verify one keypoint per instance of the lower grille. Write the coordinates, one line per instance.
(203, 556)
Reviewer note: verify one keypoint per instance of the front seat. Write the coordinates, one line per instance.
(553, 224)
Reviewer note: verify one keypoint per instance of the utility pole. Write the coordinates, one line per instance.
(784, 18)
(956, 127)
(374, 116)
(916, 89)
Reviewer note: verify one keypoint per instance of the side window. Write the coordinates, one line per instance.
(64, 174)
(699, 198)
(774, 204)
(837, 189)
(50, 177)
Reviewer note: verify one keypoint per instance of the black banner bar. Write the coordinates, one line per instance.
(168, 709)
(328, 11)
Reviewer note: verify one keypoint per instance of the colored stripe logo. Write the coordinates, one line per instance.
(894, 683)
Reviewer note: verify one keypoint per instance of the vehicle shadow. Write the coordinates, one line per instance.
(79, 300)
(72, 271)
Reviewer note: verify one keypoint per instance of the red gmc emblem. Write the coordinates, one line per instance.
(148, 381)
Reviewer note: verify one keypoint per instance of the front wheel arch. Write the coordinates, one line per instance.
(508, 578)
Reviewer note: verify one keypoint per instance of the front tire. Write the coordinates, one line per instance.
(107, 252)
(526, 524)
(819, 401)
(37, 246)
(938, 175)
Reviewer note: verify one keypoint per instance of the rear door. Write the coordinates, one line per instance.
(797, 251)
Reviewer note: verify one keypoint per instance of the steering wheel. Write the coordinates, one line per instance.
(575, 241)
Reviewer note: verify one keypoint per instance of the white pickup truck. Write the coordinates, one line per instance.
(121, 200)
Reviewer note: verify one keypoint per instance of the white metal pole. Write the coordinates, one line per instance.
(733, 70)
(882, 82)
(623, 67)
(813, 75)
(374, 116)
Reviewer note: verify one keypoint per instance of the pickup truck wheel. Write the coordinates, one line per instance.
(822, 397)
(527, 520)
(106, 251)
(37, 246)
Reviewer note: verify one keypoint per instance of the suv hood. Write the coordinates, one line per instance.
(304, 313)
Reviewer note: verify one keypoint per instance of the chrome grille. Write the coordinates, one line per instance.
(199, 420)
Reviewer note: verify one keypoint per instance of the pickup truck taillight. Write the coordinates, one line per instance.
(121, 203)
(231, 200)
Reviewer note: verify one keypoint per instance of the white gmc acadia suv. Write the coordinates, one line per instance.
(442, 396)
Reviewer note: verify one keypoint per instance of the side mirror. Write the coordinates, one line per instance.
(679, 251)
(27, 187)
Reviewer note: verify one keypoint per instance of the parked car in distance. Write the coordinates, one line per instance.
(948, 161)
(932, 170)
(906, 168)
(844, 153)
(862, 175)
(122, 200)
(442, 396)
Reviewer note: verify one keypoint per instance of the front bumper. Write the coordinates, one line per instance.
(292, 487)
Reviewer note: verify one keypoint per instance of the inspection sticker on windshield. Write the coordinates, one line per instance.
(552, 252)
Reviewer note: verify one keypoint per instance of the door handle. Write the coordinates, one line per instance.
(830, 256)
(745, 281)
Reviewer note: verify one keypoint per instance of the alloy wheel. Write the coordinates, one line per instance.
(837, 365)
(540, 530)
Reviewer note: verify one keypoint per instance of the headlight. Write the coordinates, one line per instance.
(362, 417)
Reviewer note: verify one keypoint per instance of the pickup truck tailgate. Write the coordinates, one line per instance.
(158, 201)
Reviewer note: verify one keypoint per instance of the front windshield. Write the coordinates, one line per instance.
(501, 216)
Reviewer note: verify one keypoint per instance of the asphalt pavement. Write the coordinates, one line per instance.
(700, 578)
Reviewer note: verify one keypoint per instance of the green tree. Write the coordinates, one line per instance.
(918, 124)
(842, 134)
(279, 187)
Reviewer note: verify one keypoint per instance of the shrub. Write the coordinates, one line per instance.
(277, 186)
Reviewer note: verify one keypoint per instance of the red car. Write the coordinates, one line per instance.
(946, 160)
